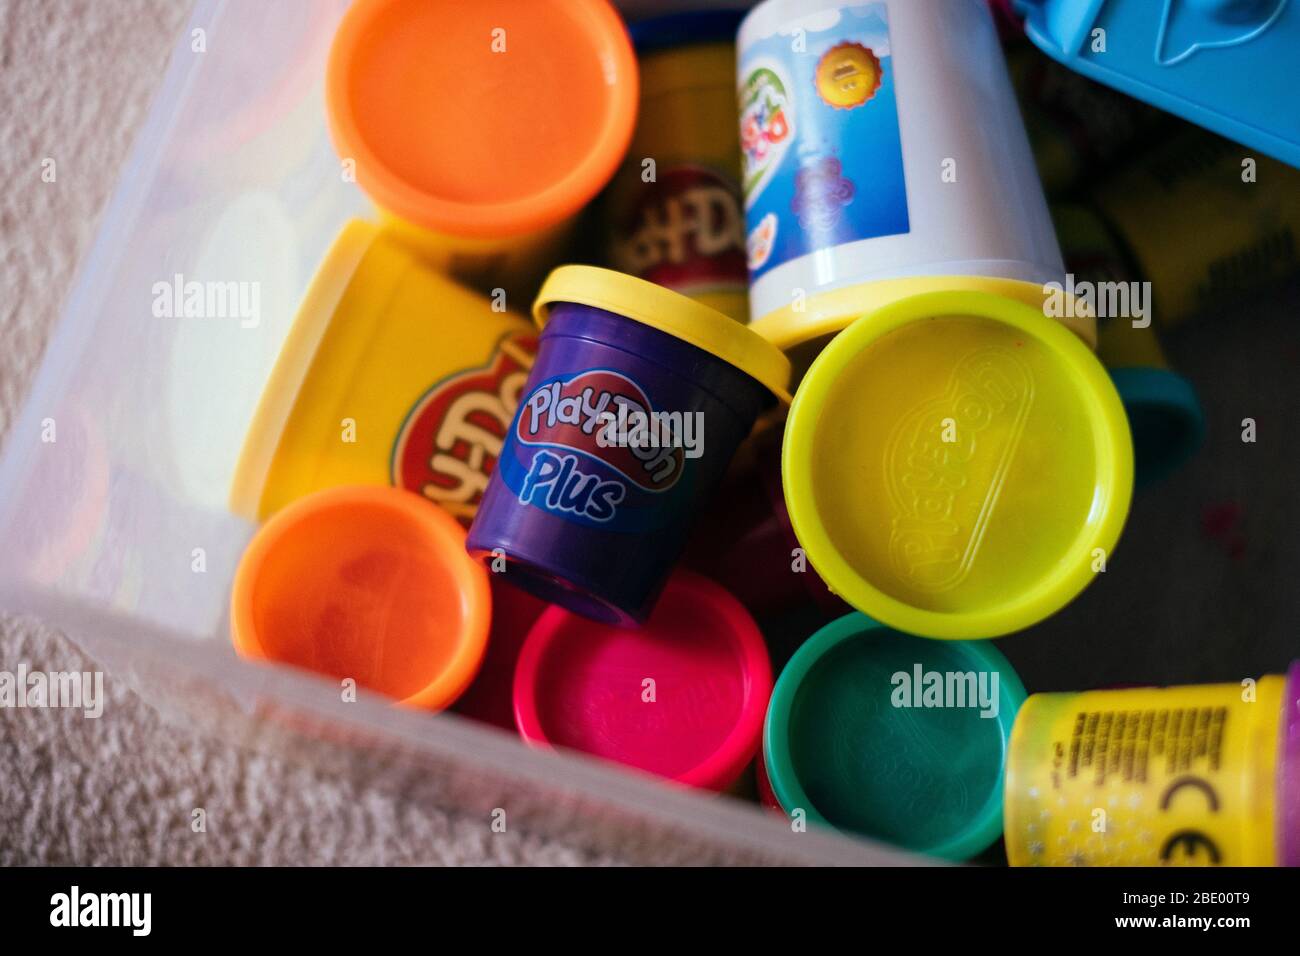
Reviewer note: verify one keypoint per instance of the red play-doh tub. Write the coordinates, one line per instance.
(682, 696)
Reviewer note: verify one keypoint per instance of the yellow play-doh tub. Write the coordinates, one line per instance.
(391, 374)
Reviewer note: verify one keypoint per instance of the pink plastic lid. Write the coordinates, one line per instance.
(682, 696)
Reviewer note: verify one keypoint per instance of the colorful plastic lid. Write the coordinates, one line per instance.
(681, 696)
(894, 737)
(957, 465)
(1288, 850)
(484, 119)
(685, 28)
(1165, 417)
(671, 312)
(369, 583)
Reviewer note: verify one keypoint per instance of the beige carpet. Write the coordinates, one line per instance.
(75, 82)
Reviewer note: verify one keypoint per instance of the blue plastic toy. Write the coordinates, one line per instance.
(1231, 66)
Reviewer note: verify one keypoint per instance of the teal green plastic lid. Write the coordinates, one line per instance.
(1165, 418)
(898, 738)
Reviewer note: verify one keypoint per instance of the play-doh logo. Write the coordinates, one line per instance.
(452, 437)
(766, 126)
(577, 414)
(945, 465)
(686, 231)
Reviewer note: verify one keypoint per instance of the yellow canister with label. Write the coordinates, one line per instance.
(1179, 776)
(391, 374)
(674, 214)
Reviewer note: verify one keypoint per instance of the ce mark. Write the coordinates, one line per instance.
(1190, 840)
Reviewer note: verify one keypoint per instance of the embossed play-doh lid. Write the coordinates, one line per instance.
(682, 696)
(957, 465)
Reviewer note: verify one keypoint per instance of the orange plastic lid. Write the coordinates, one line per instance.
(371, 583)
(482, 119)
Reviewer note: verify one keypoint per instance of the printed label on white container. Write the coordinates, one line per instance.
(822, 157)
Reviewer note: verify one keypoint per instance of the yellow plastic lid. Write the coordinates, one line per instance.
(957, 465)
(670, 312)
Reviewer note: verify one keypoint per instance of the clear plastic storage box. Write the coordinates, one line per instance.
(114, 480)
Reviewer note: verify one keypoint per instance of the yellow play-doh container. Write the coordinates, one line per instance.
(391, 374)
(957, 465)
(1178, 776)
(674, 214)
(1206, 221)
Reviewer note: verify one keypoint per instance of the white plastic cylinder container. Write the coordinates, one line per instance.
(882, 143)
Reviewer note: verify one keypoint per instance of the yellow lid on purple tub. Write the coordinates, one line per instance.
(670, 312)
